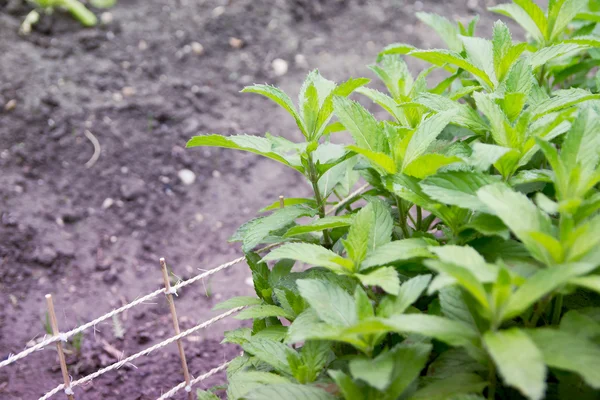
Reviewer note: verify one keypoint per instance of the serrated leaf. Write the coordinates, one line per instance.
(485, 155)
(502, 132)
(442, 57)
(457, 188)
(289, 201)
(363, 127)
(480, 52)
(565, 351)
(464, 115)
(489, 225)
(514, 209)
(350, 390)
(561, 13)
(468, 258)
(447, 30)
(273, 332)
(385, 101)
(450, 361)
(410, 291)
(545, 54)
(259, 229)
(591, 282)
(205, 395)
(395, 251)
(282, 99)
(253, 144)
(238, 336)
(454, 306)
(542, 283)
(562, 99)
(527, 14)
(311, 254)
(290, 391)
(386, 278)
(464, 277)
(371, 228)
(320, 225)
(394, 73)
(380, 160)
(331, 303)
(272, 352)
(579, 323)
(518, 360)
(447, 388)
(395, 48)
(263, 311)
(424, 136)
(237, 302)
(582, 141)
(428, 164)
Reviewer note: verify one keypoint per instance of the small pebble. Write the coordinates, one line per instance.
(10, 105)
(197, 48)
(280, 67)
(113, 239)
(186, 176)
(218, 225)
(107, 203)
(249, 281)
(216, 174)
(106, 18)
(143, 45)
(236, 43)
(472, 4)
(199, 217)
(300, 61)
(218, 11)
(117, 97)
(128, 91)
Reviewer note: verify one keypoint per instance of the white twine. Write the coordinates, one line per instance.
(182, 385)
(69, 391)
(15, 357)
(188, 389)
(172, 290)
(147, 351)
(63, 337)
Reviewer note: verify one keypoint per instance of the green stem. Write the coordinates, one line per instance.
(402, 218)
(492, 379)
(419, 218)
(314, 178)
(557, 310)
(539, 310)
(541, 76)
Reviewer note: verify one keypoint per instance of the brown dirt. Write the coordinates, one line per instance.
(134, 84)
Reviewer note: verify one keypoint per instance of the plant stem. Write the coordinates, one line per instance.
(419, 218)
(539, 310)
(402, 218)
(492, 379)
(557, 310)
(313, 177)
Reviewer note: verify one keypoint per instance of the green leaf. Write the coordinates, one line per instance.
(545, 54)
(308, 325)
(103, 3)
(468, 258)
(371, 228)
(378, 159)
(331, 303)
(350, 390)
(385, 101)
(253, 144)
(260, 277)
(591, 282)
(442, 57)
(273, 332)
(457, 188)
(237, 302)
(273, 353)
(263, 311)
(289, 201)
(386, 278)
(527, 14)
(486, 155)
(443, 329)
(542, 283)
(518, 360)
(568, 352)
(447, 30)
(450, 361)
(424, 136)
(399, 250)
(395, 48)
(480, 52)
(581, 142)
(282, 99)
(502, 132)
(315, 356)
(454, 306)
(562, 99)
(428, 164)
(410, 291)
(464, 115)
(290, 391)
(205, 395)
(561, 13)
(364, 128)
(320, 225)
(258, 229)
(447, 388)
(394, 73)
(464, 277)
(579, 323)
(514, 209)
(488, 225)
(311, 254)
(238, 336)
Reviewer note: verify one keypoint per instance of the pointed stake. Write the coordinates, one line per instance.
(281, 201)
(186, 372)
(61, 354)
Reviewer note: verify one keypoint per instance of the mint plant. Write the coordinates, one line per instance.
(468, 268)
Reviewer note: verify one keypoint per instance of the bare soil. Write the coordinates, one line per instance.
(92, 236)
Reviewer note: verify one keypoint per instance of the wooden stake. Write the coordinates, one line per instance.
(281, 201)
(186, 372)
(61, 354)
